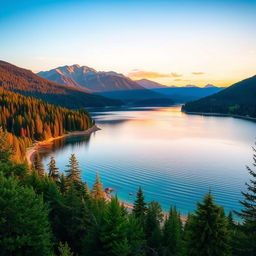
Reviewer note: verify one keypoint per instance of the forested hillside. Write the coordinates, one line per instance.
(238, 99)
(55, 213)
(28, 119)
(27, 83)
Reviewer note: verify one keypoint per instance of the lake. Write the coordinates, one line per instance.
(175, 157)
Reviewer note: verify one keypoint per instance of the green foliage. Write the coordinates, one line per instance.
(113, 232)
(172, 233)
(154, 218)
(64, 250)
(24, 225)
(238, 99)
(139, 207)
(208, 232)
(248, 213)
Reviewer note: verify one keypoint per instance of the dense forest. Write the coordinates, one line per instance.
(28, 119)
(27, 83)
(238, 99)
(53, 212)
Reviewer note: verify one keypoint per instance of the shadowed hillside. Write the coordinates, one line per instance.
(27, 83)
(238, 99)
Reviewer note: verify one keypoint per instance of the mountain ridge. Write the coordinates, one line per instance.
(237, 99)
(24, 81)
(88, 79)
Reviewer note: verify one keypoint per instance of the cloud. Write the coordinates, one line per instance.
(183, 80)
(198, 73)
(140, 74)
(146, 74)
(173, 74)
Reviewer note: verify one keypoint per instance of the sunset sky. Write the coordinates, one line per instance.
(171, 42)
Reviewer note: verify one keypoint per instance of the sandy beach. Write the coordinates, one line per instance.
(30, 153)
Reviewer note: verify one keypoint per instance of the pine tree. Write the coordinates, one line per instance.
(172, 233)
(113, 234)
(97, 190)
(64, 250)
(24, 225)
(53, 171)
(208, 230)
(38, 165)
(135, 236)
(248, 213)
(5, 149)
(139, 207)
(74, 220)
(62, 183)
(153, 219)
(73, 173)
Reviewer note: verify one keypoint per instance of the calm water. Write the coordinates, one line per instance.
(175, 157)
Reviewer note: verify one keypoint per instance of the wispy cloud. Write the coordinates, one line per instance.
(178, 80)
(198, 73)
(139, 74)
(173, 74)
(146, 74)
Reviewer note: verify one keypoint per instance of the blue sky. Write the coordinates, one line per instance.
(172, 42)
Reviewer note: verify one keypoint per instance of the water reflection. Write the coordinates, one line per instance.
(175, 157)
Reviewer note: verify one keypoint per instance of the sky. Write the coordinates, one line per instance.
(170, 42)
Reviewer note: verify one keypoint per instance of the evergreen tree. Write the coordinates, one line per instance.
(248, 213)
(5, 149)
(62, 183)
(74, 220)
(208, 230)
(113, 235)
(73, 173)
(135, 236)
(97, 190)
(64, 250)
(24, 226)
(139, 207)
(53, 171)
(38, 165)
(172, 232)
(153, 219)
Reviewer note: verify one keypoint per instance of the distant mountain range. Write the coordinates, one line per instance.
(27, 83)
(119, 87)
(238, 99)
(89, 79)
(148, 84)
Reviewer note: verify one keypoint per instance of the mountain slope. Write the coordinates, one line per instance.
(185, 94)
(89, 79)
(148, 84)
(27, 83)
(238, 99)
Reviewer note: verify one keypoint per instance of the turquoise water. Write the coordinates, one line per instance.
(175, 157)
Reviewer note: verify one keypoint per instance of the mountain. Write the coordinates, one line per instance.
(89, 79)
(210, 86)
(238, 99)
(185, 94)
(143, 97)
(148, 84)
(27, 83)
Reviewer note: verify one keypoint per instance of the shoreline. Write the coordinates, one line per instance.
(30, 151)
(248, 118)
(129, 206)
